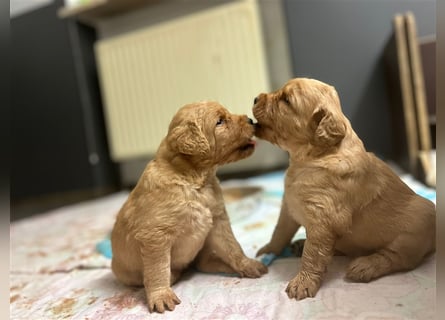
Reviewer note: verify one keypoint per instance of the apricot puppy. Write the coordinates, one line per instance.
(176, 215)
(347, 199)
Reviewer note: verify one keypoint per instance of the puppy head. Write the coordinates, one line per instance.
(303, 112)
(207, 133)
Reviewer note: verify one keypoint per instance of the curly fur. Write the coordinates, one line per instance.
(348, 200)
(175, 216)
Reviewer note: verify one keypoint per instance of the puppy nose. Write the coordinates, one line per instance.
(250, 120)
(255, 100)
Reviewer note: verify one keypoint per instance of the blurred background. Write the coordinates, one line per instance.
(94, 83)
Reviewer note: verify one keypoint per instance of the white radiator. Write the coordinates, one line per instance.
(147, 74)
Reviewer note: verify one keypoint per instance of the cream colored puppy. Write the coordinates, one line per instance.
(346, 198)
(176, 215)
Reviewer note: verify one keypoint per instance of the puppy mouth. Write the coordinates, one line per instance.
(250, 144)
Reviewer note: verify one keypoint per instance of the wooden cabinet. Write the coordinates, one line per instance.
(59, 144)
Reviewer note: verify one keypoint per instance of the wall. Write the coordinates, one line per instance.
(342, 42)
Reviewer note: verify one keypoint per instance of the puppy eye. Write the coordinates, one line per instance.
(220, 122)
(285, 99)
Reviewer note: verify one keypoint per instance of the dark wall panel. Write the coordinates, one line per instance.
(56, 111)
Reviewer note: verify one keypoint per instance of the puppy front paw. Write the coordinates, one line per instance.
(269, 248)
(251, 268)
(162, 299)
(304, 285)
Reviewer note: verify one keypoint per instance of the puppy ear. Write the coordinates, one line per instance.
(188, 139)
(329, 129)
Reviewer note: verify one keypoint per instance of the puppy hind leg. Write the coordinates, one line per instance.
(127, 276)
(207, 263)
(404, 253)
(221, 244)
(174, 276)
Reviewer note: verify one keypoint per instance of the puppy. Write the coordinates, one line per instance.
(175, 215)
(347, 199)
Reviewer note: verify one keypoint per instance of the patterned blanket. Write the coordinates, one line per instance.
(56, 271)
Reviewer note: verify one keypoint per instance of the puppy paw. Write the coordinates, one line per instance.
(268, 248)
(161, 300)
(304, 285)
(361, 270)
(251, 268)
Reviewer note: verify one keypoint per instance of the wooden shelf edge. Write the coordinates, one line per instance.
(428, 163)
(95, 10)
(75, 11)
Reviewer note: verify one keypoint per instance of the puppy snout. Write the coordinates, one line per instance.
(260, 99)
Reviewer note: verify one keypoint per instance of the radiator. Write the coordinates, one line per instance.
(147, 74)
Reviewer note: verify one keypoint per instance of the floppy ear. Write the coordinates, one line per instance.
(329, 129)
(188, 139)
